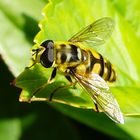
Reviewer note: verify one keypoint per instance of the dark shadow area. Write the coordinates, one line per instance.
(30, 28)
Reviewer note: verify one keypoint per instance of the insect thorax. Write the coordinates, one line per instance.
(67, 55)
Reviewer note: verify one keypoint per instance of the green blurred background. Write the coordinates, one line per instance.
(23, 121)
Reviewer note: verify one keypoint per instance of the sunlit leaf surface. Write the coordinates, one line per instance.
(119, 50)
(64, 18)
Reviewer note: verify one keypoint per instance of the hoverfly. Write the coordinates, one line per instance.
(85, 65)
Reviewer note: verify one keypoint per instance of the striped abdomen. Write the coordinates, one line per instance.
(95, 63)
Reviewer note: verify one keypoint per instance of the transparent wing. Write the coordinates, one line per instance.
(101, 95)
(96, 33)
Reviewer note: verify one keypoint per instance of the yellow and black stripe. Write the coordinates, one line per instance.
(83, 61)
(101, 66)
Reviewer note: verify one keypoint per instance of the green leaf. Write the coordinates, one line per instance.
(125, 61)
(5, 129)
(132, 16)
(14, 47)
(101, 122)
(61, 20)
(35, 77)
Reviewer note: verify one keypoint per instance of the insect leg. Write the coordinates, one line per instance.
(51, 95)
(59, 88)
(35, 52)
(70, 80)
(52, 75)
(34, 62)
(96, 107)
(50, 80)
(63, 87)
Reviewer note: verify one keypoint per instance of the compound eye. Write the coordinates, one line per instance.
(47, 44)
(47, 57)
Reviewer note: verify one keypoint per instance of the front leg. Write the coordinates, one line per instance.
(34, 62)
(34, 58)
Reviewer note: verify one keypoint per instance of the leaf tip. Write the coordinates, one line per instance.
(24, 97)
(21, 99)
